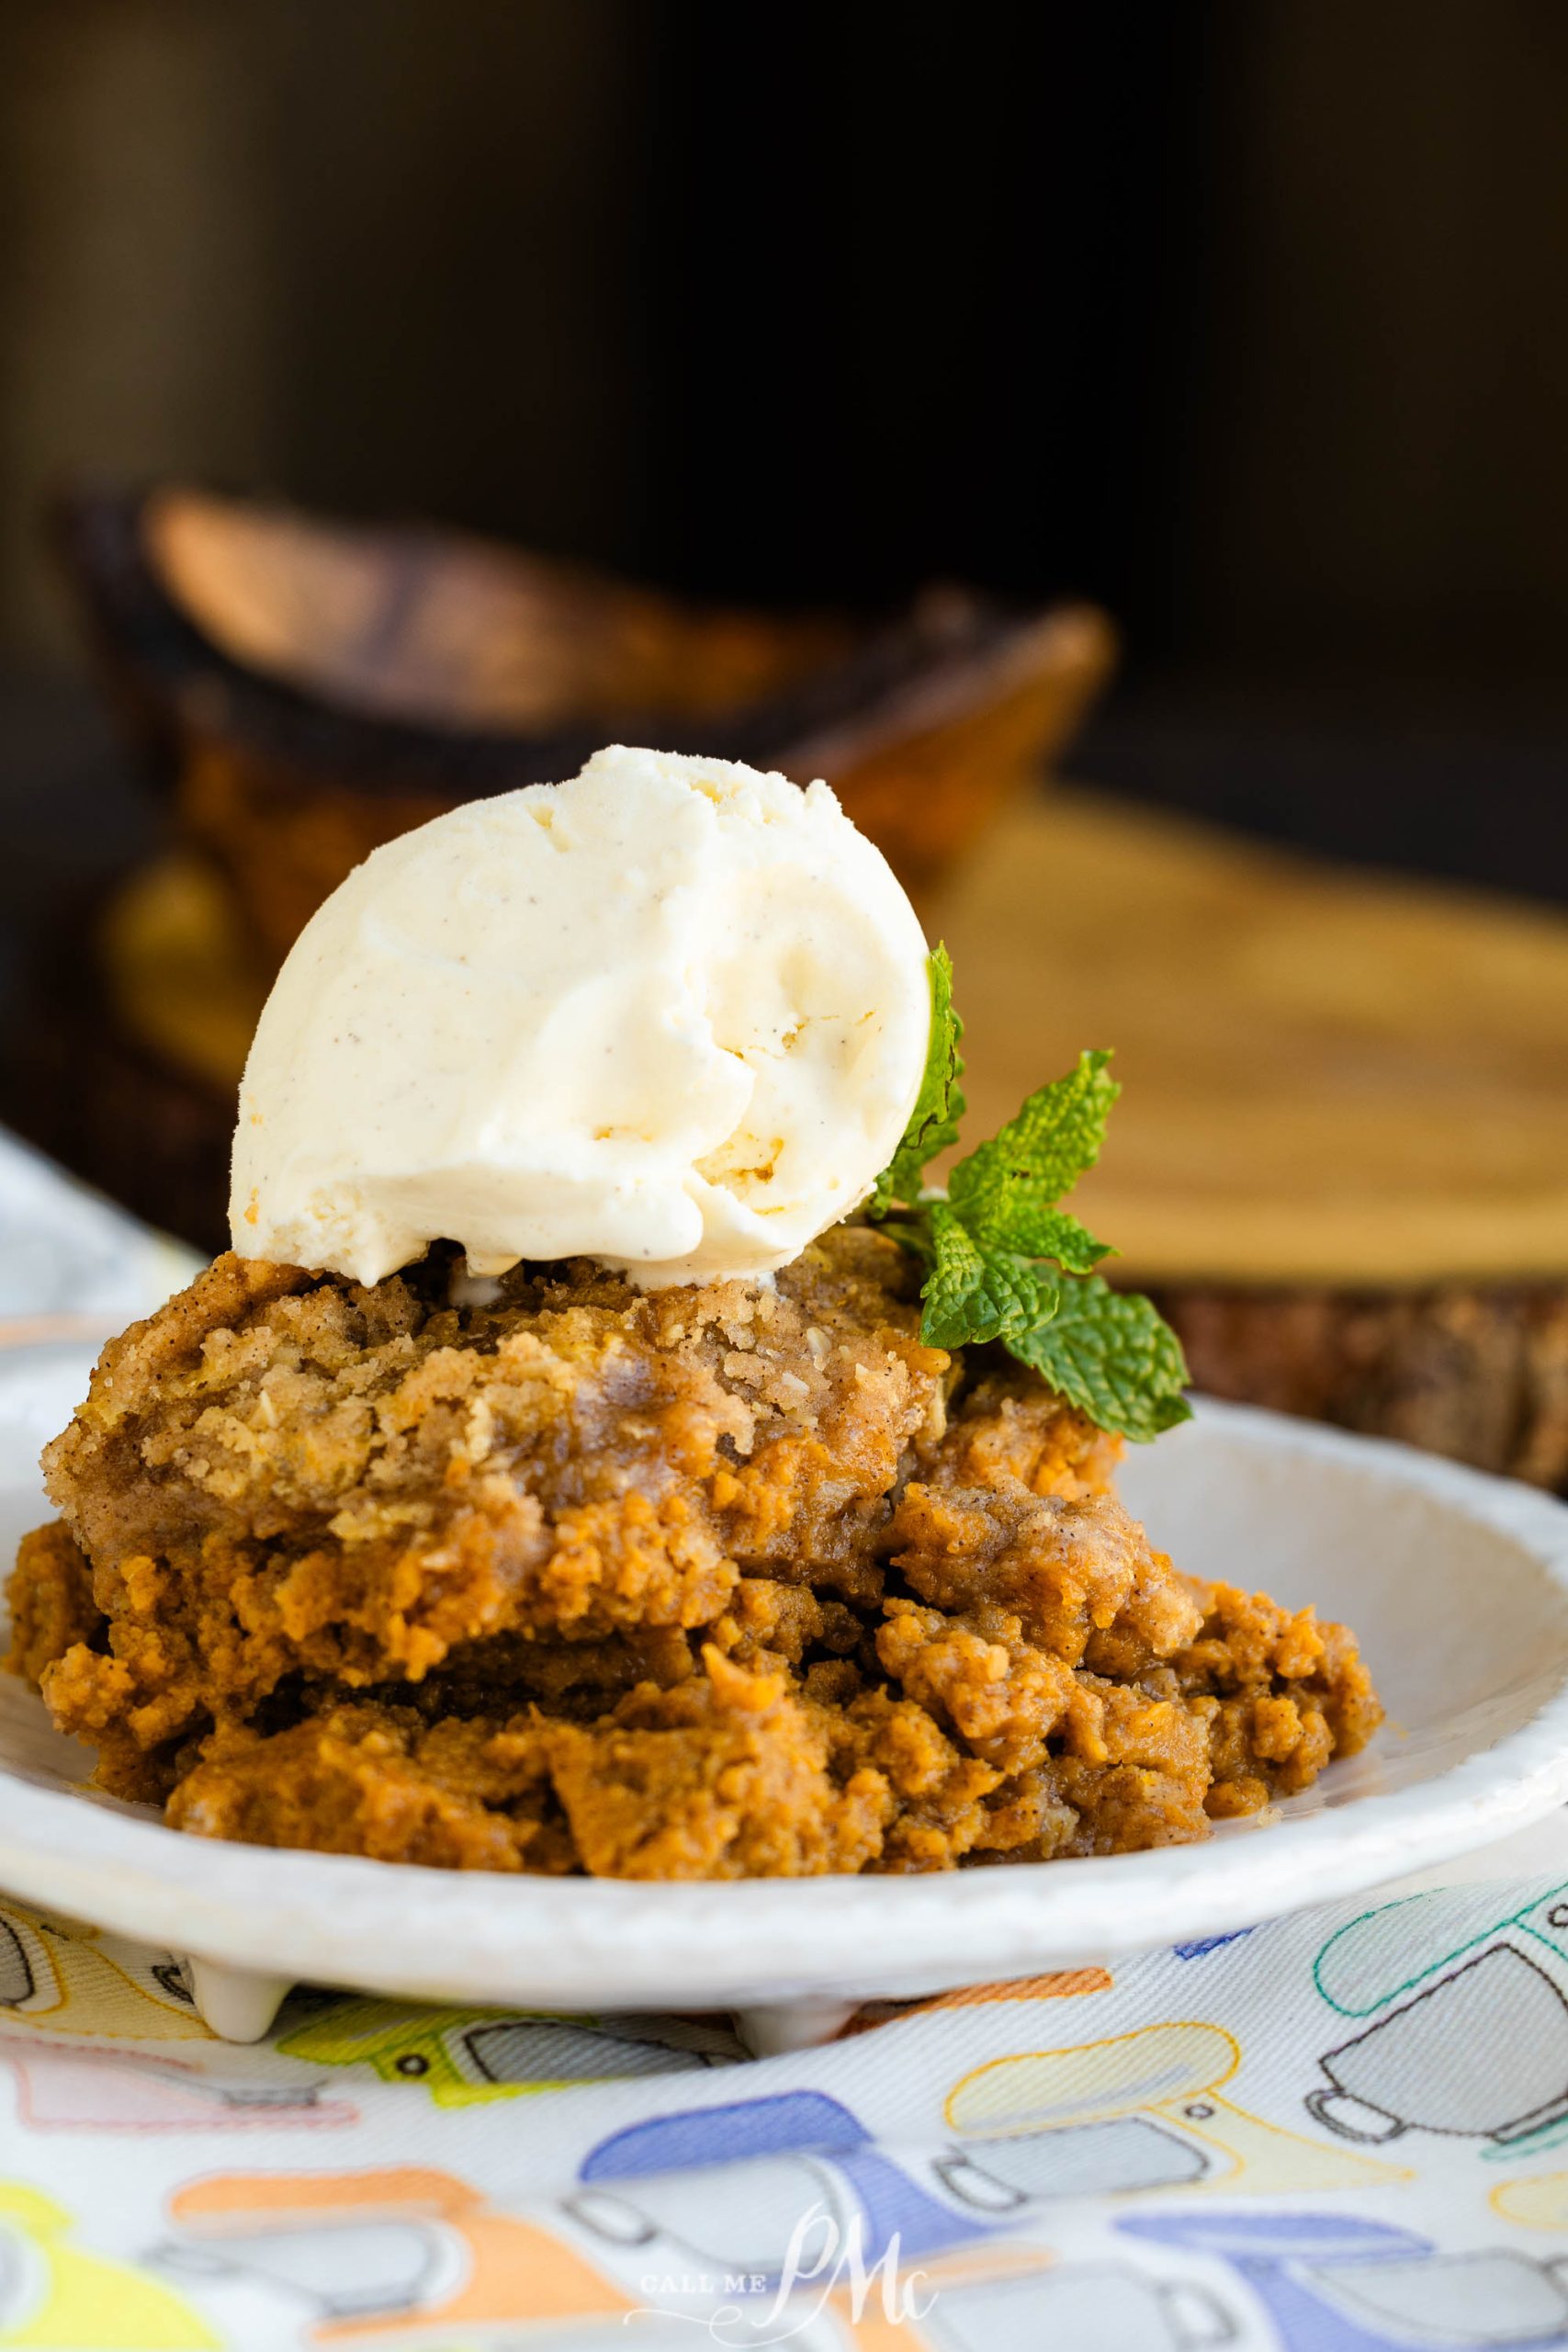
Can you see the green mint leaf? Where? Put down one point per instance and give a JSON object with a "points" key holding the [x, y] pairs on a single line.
{"points": [[1003, 1261], [939, 1106], [973, 1294], [1006, 1190], [1111, 1354], [1047, 1233]]}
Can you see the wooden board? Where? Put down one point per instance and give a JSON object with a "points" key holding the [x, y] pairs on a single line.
{"points": [[1331, 1077]]}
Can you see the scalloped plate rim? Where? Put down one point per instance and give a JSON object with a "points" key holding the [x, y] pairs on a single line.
{"points": [[408, 1931]]}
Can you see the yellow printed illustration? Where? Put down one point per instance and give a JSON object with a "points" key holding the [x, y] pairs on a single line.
{"points": [[464, 2057], [78, 1981], [1139, 2110], [1540, 2203], [53, 2296], [402, 2249]]}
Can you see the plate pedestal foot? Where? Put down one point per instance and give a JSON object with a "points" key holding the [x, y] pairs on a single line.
{"points": [[237, 2003], [779, 2026]]}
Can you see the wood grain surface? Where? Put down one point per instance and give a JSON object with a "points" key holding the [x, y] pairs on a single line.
{"points": [[1330, 1076]]}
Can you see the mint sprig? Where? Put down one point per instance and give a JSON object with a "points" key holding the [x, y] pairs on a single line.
{"points": [[939, 1106], [1008, 1188], [1005, 1261]]}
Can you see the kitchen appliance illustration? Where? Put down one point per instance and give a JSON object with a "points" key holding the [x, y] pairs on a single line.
{"points": [[17, 1979], [52, 2295], [381, 2254], [67, 2086], [1539, 2201], [84, 1982], [730, 2188], [464, 2057], [1333, 2283], [1036, 2306], [1464, 2034], [1139, 2110]]}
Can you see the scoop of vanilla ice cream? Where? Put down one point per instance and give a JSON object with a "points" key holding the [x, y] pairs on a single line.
{"points": [[672, 1015]]}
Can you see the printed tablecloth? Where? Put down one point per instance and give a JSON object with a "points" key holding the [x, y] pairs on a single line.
{"points": [[1342, 2131]]}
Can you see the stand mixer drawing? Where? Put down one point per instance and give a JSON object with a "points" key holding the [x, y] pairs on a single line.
{"points": [[465, 2057], [1137, 2111], [1332, 2282]]}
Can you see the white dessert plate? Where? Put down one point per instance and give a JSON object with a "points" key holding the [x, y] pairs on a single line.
{"points": [[1457, 1584]]}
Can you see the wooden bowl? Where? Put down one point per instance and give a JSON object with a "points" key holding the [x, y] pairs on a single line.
{"points": [[306, 689]]}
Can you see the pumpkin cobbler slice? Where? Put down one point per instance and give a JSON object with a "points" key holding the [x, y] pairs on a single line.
{"points": [[740, 1579]]}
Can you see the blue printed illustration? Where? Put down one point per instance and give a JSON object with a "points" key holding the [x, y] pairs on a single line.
{"points": [[731, 2186], [1332, 2283], [1466, 2033]]}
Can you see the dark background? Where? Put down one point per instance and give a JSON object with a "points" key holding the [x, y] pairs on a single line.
{"points": [[1245, 316]]}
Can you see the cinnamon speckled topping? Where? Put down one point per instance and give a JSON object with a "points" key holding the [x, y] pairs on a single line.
{"points": [[715, 1582]]}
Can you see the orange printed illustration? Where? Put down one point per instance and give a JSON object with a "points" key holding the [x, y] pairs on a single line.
{"points": [[403, 2248], [1060, 1985]]}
